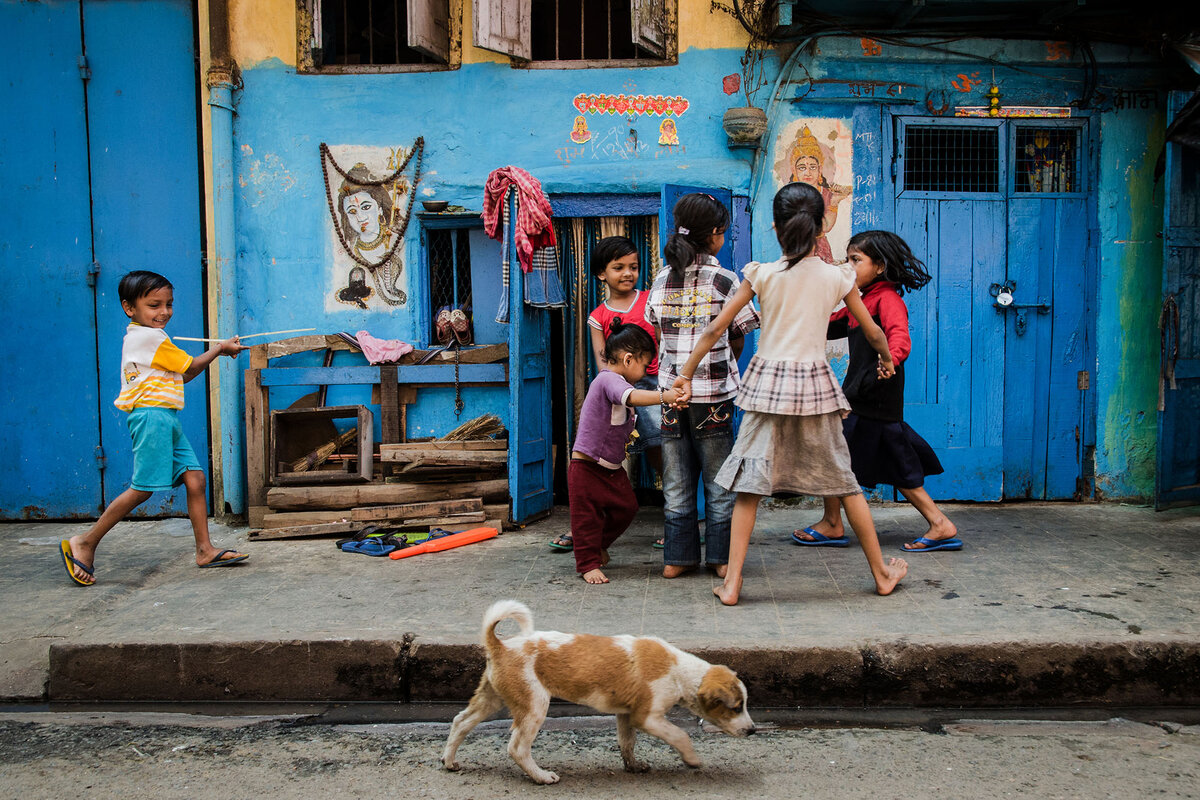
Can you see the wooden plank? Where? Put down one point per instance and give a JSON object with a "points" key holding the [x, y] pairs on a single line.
{"points": [[300, 531], [463, 444], [256, 514], [411, 510], [484, 354], [496, 510], [303, 344], [423, 374], [256, 439], [466, 458], [457, 519], [295, 498], [292, 519]]}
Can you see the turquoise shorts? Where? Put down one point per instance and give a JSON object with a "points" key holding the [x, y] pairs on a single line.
{"points": [[161, 453]]}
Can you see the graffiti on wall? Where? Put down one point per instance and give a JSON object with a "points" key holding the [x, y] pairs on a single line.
{"points": [[370, 193], [820, 152]]}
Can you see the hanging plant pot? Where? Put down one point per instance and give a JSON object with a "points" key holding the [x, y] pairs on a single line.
{"points": [[744, 125]]}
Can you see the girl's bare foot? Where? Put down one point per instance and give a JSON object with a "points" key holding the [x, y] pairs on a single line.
{"points": [[675, 570], [893, 572], [719, 569], [727, 593], [596, 576], [603, 557]]}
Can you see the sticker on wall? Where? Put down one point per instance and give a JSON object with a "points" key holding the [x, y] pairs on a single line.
{"points": [[667, 134], [650, 105], [369, 207], [819, 152], [580, 133]]}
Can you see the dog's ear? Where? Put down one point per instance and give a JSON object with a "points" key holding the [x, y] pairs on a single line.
{"points": [[720, 688]]}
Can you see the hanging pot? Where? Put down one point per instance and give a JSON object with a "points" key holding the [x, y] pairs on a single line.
{"points": [[744, 125]]}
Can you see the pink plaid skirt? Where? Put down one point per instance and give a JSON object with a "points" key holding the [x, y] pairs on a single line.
{"points": [[794, 388]]}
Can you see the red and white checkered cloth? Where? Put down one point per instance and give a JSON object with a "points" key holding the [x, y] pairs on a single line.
{"points": [[534, 228]]}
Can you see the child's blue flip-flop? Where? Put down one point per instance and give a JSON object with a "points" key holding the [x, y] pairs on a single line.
{"points": [[818, 540], [929, 545], [221, 561]]}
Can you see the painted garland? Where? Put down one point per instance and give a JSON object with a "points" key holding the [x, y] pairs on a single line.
{"points": [[385, 273]]}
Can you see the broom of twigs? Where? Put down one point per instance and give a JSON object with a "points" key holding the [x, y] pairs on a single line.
{"points": [[319, 456], [485, 427]]}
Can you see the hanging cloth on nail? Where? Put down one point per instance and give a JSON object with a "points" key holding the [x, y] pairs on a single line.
{"points": [[534, 228], [542, 284]]}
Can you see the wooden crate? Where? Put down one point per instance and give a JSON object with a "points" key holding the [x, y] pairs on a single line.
{"points": [[283, 418]]}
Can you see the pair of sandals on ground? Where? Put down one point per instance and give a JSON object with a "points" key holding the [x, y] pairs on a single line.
{"points": [[814, 539]]}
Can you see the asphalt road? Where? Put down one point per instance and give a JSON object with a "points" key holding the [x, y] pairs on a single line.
{"points": [[48, 755]]}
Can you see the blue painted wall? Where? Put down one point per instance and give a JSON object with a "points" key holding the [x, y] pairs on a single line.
{"points": [[487, 115]]}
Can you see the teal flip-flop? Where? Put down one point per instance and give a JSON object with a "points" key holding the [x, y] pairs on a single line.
{"points": [[564, 542]]}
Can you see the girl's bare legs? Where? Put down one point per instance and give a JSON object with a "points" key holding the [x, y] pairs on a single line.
{"points": [[887, 574], [830, 525], [745, 511], [940, 527]]}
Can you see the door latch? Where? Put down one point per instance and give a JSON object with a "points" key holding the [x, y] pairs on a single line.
{"points": [[1003, 292]]}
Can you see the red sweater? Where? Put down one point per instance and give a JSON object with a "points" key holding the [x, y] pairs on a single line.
{"points": [[869, 396]]}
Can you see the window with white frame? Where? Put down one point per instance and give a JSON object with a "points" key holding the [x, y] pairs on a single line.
{"points": [[567, 32], [376, 35]]}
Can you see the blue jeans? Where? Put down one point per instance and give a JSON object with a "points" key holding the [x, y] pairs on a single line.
{"points": [[649, 419], [696, 441]]}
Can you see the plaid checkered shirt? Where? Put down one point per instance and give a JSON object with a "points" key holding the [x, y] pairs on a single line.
{"points": [[681, 307]]}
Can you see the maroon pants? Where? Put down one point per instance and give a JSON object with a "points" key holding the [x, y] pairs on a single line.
{"points": [[602, 506]]}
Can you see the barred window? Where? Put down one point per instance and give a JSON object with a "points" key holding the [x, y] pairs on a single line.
{"points": [[951, 159], [1047, 160], [449, 258]]}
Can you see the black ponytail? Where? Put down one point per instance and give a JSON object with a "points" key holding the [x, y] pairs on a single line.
{"points": [[627, 337], [891, 252], [799, 212], [695, 218]]}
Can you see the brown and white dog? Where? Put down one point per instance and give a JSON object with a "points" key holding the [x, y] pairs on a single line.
{"points": [[638, 678]]}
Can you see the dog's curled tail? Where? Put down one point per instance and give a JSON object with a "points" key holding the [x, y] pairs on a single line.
{"points": [[501, 610]]}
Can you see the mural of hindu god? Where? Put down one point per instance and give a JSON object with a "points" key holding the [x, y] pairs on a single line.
{"points": [[806, 159], [367, 223]]}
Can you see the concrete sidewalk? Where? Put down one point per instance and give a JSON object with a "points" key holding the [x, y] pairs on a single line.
{"points": [[1048, 604]]}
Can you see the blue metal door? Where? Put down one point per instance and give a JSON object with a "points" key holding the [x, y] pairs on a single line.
{"points": [[530, 466], [1178, 474], [101, 136], [49, 428]]}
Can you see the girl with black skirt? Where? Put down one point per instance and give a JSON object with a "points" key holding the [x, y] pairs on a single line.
{"points": [[883, 448]]}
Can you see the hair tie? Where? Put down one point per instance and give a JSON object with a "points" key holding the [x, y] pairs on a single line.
{"points": [[683, 231]]}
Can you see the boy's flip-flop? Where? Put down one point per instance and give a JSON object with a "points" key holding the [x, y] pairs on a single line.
{"points": [[818, 540], [69, 561], [225, 562], [563, 542], [929, 545]]}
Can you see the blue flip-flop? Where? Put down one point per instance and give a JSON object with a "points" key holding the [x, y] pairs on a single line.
{"points": [[929, 545], [371, 546], [819, 540], [69, 559], [225, 562]]}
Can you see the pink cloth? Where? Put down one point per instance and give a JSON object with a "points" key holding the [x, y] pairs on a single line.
{"points": [[534, 228], [381, 351]]}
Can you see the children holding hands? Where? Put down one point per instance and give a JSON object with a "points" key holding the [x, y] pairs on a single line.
{"points": [[153, 371], [602, 500], [791, 440]]}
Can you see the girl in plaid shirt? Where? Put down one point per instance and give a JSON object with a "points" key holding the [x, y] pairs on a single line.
{"points": [[790, 441], [697, 440]]}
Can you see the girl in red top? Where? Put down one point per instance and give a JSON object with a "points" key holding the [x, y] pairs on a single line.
{"points": [[883, 448]]}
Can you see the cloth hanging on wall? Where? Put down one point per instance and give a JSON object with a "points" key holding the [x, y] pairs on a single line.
{"points": [[534, 228], [542, 284]]}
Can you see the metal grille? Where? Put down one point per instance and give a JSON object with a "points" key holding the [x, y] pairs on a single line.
{"points": [[1047, 160], [951, 159], [449, 253], [366, 32], [582, 30]]}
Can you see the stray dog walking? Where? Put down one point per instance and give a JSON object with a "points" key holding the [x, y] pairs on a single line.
{"points": [[638, 678]]}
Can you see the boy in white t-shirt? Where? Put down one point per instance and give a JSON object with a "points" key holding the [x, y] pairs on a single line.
{"points": [[153, 371]]}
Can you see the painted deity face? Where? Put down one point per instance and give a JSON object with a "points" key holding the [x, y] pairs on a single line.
{"points": [[153, 310], [807, 170], [364, 215], [621, 274], [865, 270]]}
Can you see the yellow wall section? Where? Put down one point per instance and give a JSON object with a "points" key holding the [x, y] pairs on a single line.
{"points": [[266, 29]]}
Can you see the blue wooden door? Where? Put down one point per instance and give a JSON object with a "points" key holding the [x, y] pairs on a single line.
{"points": [[1178, 474], [101, 128], [530, 466], [666, 218], [49, 428]]}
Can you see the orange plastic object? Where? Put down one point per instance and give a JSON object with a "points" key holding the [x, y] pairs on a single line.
{"points": [[446, 542]]}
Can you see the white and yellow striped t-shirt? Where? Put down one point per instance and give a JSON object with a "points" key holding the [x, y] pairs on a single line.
{"points": [[152, 370]]}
